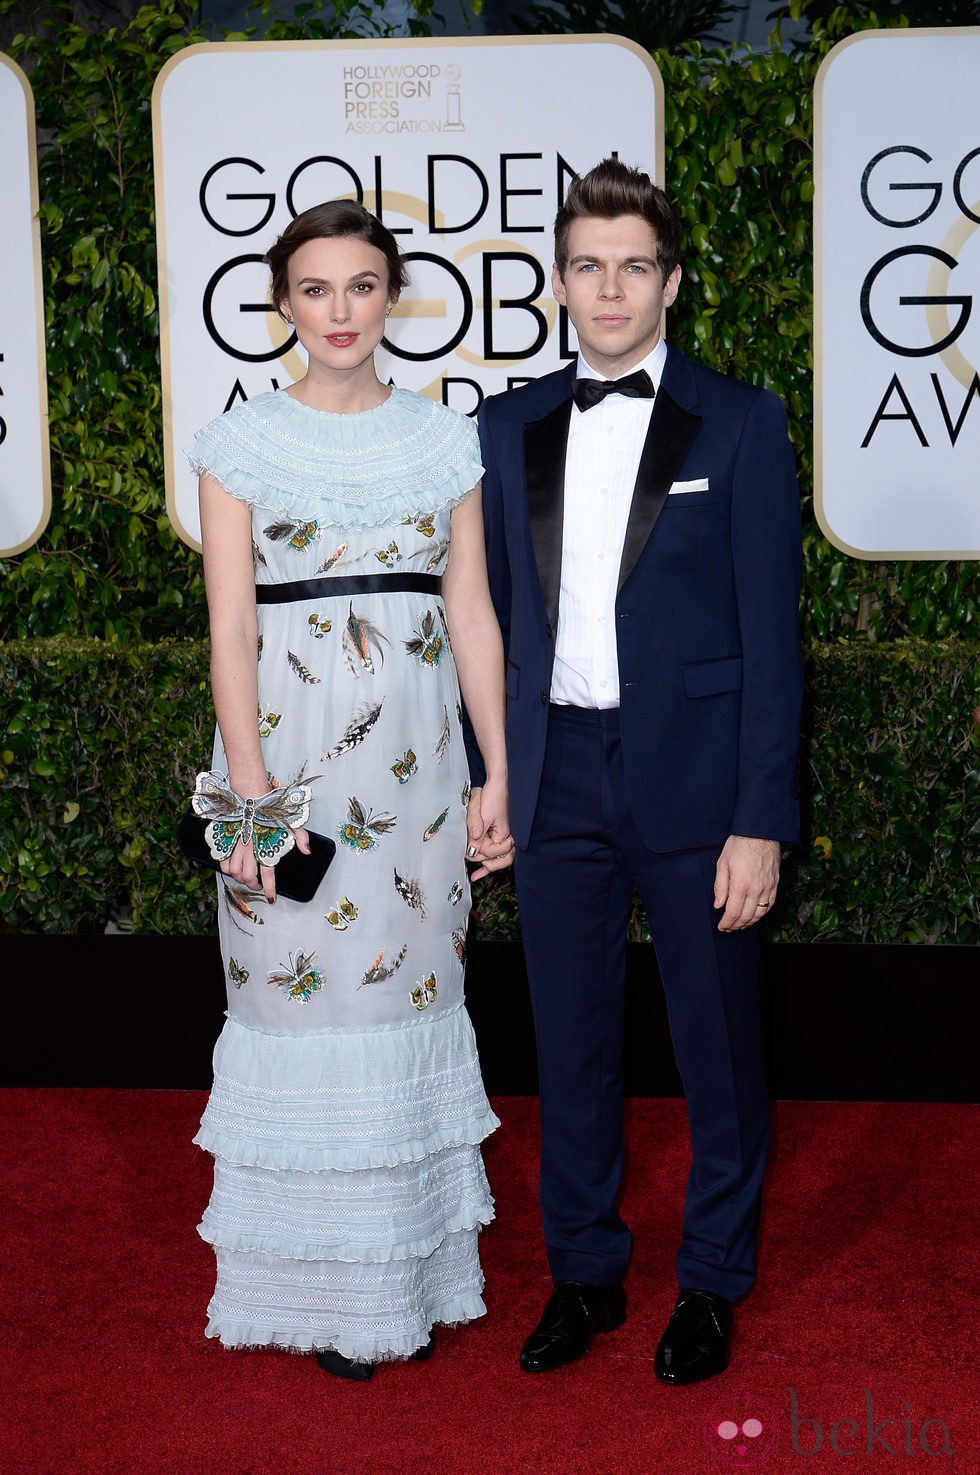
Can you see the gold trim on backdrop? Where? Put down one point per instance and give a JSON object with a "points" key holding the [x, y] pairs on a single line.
{"points": [[937, 313]]}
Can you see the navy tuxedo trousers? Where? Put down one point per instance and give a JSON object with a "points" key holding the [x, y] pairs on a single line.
{"points": [[574, 884]]}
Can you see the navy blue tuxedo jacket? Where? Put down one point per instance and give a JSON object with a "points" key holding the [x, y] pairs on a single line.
{"points": [[707, 610]]}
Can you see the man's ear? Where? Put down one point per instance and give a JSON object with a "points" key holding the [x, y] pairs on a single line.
{"points": [[672, 286], [557, 285]]}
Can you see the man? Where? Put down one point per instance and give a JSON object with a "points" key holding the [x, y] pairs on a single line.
{"points": [[644, 553]]}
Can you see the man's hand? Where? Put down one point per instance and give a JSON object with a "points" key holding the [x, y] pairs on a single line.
{"points": [[746, 878]]}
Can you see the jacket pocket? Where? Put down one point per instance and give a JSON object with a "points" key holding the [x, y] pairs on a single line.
{"points": [[685, 488], [711, 678]]}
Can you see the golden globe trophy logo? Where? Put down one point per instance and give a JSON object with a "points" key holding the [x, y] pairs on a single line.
{"points": [[25, 473], [897, 259], [246, 136]]}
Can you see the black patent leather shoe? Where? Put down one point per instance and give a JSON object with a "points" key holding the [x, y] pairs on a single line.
{"points": [[696, 1342], [575, 1310], [423, 1353], [345, 1367], [362, 1372]]}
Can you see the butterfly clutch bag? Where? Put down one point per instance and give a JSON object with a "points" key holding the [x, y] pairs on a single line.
{"points": [[218, 817]]}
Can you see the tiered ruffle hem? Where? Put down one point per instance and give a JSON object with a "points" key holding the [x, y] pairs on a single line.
{"points": [[349, 1187]]}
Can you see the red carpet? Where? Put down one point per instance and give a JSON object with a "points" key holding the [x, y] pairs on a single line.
{"points": [[858, 1350]]}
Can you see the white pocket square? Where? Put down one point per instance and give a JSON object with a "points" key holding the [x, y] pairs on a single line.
{"points": [[676, 487]]}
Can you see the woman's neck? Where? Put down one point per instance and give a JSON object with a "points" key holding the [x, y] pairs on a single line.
{"points": [[341, 394]]}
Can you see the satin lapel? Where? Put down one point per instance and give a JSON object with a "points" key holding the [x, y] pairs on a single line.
{"points": [[672, 429], [544, 457]]}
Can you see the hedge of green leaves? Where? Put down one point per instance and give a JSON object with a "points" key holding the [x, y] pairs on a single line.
{"points": [[738, 159], [117, 728], [102, 744]]}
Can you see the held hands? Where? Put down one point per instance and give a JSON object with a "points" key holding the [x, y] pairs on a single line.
{"points": [[746, 878], [490, 844], [242, 867]]}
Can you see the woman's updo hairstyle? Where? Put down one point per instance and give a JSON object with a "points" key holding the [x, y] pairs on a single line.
{"points": [[331, 219]]}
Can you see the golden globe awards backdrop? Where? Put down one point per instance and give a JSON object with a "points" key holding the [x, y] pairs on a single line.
{"points": [[897, 268], [463, 148], [25, 470]]}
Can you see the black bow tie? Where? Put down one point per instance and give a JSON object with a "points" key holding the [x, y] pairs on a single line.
{"points": [[588, 392]]}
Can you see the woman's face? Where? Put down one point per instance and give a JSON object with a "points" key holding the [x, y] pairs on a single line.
{"points": [[338, 299]]}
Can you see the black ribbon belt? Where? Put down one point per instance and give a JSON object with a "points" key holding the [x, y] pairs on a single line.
{"points": [[310, 589]]}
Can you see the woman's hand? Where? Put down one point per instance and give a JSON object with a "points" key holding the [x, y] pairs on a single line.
{"points": [[242, 867], [490, 843]]}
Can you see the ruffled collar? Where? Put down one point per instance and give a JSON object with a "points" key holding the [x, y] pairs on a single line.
{"points": [[407, 455]]}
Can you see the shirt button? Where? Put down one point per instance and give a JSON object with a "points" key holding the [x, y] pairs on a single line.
{"points": [[600, 555]]}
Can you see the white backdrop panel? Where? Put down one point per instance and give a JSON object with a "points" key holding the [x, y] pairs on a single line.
{"points": [[463, 147], [897, 265], [25, 471]]}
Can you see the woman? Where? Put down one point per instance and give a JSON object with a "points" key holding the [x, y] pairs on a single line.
{"points": [[343, 549]]}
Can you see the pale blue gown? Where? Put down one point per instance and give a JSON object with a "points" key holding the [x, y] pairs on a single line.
{"points": [[348, 1107]]}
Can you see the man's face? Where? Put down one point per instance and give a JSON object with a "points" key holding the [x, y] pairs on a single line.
{"points": [[614, 290]]}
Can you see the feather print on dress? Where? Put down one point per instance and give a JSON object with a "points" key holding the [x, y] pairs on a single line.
{"points": [[442, 742], [433, 556], [356, 731], [436, 824], [411, 894], [303, 672], [379, 971], [357, 640], [235, 902], [335, 557]]}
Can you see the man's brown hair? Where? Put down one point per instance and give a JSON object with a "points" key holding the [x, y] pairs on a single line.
{"points": [[611, 189]]}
